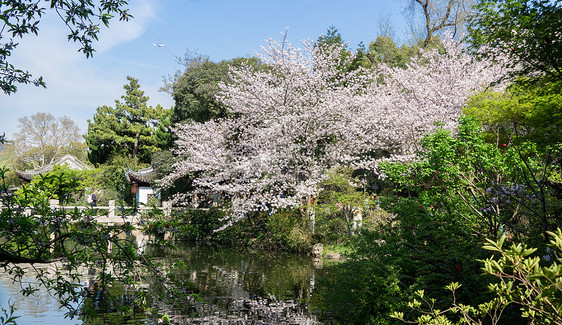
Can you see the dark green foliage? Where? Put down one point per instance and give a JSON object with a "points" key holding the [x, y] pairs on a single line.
{"points": [[414, 250], [283, 230], [340, 200], [162, 162], [459, 191], [111, 177], [489, 187], [524, 279], [202, 227], [429, 249], [195, 90], [287, 230], [131, 129], [199, 226], [525, 121], [334, 38], [526, 31], [358, 292]]}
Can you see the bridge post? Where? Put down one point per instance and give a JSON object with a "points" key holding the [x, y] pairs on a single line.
{"points": [[167, 206], [53, 204], [111, 213]]}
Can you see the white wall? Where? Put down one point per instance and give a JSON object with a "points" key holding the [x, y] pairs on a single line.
{"points": [[143, 193]]}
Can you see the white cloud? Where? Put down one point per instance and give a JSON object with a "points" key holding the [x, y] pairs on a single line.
{"points": [[76, 85], [119, 32]]}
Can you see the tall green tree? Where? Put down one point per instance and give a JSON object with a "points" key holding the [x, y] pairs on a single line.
{"points": [[527, 111], [334, 37], [195, 89], [131, 128], [527, 31], [384, 50]]}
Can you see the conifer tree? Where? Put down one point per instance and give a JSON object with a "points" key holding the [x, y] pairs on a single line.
{"points": [[131, 128]]}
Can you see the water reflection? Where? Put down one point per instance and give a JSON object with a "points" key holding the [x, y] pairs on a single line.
{"points": [[248, 287], [37, 309], [235, 288]]}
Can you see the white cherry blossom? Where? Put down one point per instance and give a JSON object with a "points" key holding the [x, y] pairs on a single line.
{"points": [[304, 116]]}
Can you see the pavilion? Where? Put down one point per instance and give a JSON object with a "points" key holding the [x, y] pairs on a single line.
{"points": [[141, 181]]}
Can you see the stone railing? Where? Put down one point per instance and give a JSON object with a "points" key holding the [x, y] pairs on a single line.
{"points": [[116, 211], [114, 214]]}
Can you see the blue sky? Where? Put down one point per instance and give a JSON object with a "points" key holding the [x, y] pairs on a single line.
{"points": [[221, 29]]}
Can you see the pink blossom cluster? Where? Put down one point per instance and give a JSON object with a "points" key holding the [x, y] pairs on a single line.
{"points": [[305, 115]]}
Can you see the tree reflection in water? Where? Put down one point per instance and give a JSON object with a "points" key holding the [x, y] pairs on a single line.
{"points": [[245, 287], [215, 287]]}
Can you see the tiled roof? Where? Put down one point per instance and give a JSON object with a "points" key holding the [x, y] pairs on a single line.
{"points": [[68, 160], [142, 176]]}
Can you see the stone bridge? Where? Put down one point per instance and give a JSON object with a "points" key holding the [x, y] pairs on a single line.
{"points": [[111, 214]]}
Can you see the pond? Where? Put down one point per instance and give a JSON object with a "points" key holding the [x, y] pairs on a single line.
{"points": [[235, 288]]}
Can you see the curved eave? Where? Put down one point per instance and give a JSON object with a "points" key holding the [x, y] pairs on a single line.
{"points": [[142, 177], [27, 175]]}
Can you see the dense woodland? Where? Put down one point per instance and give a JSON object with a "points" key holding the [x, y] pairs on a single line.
{"points": [[448, 148]]}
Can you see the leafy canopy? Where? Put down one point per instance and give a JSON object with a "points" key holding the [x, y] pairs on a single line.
{"points": [[195, 89], [526, 31]]}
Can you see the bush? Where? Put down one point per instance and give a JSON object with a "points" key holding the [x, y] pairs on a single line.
{"points": [[337, 228], [299, 240], [523, 278], [286, 230], [200, 226]]}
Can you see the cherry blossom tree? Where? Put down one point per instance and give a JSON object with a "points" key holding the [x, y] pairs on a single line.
{"points": [[409, 102], [305, 115]]}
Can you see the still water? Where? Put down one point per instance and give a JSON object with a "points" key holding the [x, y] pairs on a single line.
{"points": [[235, 288]]}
